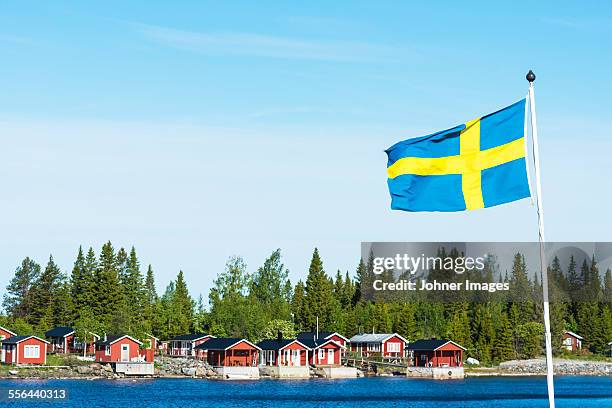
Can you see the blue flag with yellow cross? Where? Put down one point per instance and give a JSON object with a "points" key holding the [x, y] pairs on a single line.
{"points": [[474, 165]]}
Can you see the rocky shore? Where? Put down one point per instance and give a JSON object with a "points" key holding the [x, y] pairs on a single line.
{"points": [[538, 367]]}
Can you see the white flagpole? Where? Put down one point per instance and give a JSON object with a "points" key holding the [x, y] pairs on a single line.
{"points": [[536, 158]]}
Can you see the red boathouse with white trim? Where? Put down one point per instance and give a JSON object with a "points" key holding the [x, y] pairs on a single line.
{"points": [[386, 345], [24, 350], [122, 348]]}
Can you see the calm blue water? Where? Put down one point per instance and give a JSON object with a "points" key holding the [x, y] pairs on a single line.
{"points": [[375, 392]]}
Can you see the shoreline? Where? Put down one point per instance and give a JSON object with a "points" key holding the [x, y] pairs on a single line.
{"points": [[514, 368]]}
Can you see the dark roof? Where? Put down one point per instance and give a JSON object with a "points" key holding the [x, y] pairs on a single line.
{"points": [[276, 344], [111, 339], [19, 339], [430, 345], [313, 344], [59, 331], [220, 343], [190, 337], [313, 334]]}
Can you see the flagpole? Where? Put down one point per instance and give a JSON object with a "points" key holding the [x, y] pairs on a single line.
{"points": [[544, 267]]}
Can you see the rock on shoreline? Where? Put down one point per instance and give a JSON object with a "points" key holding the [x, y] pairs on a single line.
{"points": [[538, 367]]}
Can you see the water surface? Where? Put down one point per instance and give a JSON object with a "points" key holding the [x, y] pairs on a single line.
{"points": [[375, 392]]}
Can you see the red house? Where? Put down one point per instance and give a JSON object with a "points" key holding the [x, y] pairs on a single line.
{"points": [[572, 341], [185, 345], [60, 339], [284, 352], [5, 333], [230, 352], [386, 345], [324, 352], [121, 348], [436, 353], [63, 339], [24, 350]]}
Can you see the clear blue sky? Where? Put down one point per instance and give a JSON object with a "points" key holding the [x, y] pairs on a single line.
{"points": [[199, 130]]}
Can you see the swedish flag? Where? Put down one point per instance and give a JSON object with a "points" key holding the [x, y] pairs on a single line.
{"points": [[475, 165]]}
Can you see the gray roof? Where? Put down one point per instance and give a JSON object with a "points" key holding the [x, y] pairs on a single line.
{"points": [[373, 337]]}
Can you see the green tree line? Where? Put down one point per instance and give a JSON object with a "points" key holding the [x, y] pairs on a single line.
{"points": [[109, 293]]}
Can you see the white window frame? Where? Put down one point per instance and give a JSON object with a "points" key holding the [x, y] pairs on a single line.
{"points": [[31, 351], [107, 350], [321, 354], [375, 347], [394, 347]]}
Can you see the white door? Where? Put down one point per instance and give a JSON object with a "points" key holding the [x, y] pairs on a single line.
{"points": [[125, 352], [295, 357], [330, 356]]}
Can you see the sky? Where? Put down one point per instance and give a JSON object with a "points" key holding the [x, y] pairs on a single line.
{"points": [[195, 131]]}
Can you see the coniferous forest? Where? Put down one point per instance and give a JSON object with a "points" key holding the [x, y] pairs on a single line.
{"points": [[111, 292]]}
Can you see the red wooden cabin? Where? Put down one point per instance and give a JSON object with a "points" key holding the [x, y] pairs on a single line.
{"points": [[324, 352], [24, 350], [284, 352], [436, 353], [572, 341], [5, 333], [386, 345], [230, 352], [121, 348], [62, 339]]}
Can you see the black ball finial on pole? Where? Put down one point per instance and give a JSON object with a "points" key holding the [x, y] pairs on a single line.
{"points": [[530, 76]]}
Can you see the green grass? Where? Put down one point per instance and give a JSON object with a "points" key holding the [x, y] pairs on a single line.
{"points": [[585, 357], [64, 360]]}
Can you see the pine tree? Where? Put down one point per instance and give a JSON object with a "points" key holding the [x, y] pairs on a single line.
{"points": [[361, 279], [458, 328], [78, 289], [44, 295], [182, 304], [502, 349], [319, 295], [18, 300], [151, 301], [62, 307], [406, 324], [483, 332], [134, 294], [297, 306], [89, 280], [573, 279], [108, 299], [607, 294], [520, 289]]}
